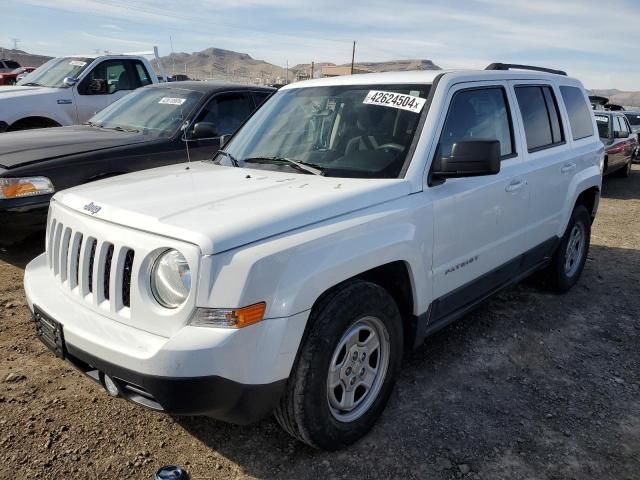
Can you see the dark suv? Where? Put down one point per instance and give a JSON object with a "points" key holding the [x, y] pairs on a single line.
{"points": [[621, 145]]}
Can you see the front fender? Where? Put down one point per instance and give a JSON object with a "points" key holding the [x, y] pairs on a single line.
{"points": [[291, 271]]}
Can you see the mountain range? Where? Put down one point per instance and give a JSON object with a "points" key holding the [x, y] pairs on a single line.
{"points": [[217, 63]]}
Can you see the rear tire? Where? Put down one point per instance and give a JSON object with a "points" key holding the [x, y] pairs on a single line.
{"points": [[568, 261], [346, 369], [625, 172]]}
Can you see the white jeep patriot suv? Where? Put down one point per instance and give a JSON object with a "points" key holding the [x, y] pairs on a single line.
{"points": [[344, 222]]}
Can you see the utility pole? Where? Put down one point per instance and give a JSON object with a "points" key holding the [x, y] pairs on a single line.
{"points": [[353, 56], [173, 65], [312, 65], [15, 43], [287, 81]]}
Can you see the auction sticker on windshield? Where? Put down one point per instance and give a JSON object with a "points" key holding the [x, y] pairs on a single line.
{"points": [[602, 118], [172, 101], [395, 100], [77, 63]]}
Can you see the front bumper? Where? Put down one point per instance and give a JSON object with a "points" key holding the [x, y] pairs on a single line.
{"points": [[233, 375], [20, 218]]}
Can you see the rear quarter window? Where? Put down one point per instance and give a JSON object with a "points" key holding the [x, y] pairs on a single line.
{"points": [[579, 113]]}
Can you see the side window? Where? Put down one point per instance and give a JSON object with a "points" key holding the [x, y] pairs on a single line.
{"points": [[260, 97], [226, 112], [478, 114], [604, 128], [623, 124], [142, 74], [540, 116], [617, 125], [579, 114], [13, 65], [109, 77]]}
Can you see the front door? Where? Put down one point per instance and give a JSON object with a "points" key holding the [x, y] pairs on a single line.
{"points": [[477, 220], [107, 82], [223, 115]]}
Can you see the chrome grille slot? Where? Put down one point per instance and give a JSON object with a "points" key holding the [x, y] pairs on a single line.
{"points": [[92, 256], [50, 236], [107, 271], [126, 278], [74, 260], [56, 248], [64, 254]]}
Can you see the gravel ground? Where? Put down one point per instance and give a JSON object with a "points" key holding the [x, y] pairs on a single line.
{"points": [[530, 385]]}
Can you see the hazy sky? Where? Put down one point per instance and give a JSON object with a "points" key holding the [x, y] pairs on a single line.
{"points": [[596, 41]]}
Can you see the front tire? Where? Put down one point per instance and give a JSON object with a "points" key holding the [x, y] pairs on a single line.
{"points": [[571, 255], [346, 369]]}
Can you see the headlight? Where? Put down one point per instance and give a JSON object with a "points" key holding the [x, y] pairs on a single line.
{"points": [[171, 279], [25, 187]]}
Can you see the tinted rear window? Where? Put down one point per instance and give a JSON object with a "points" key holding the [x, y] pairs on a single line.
{"points": [[12, 64], [579, 114], [634, 118]]}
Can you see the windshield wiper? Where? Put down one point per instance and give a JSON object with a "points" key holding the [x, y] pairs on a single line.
{"points": [[121, 129], [230, 157], [31, 84], [92, 124], [303, 166]]}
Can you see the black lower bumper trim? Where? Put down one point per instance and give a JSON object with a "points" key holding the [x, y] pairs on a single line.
{"points": [[212, 396]]}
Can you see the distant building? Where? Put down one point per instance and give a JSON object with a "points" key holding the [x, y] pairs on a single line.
{"points": [[337, 70]]}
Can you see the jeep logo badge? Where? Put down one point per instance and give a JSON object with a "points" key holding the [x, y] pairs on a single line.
{"points": [[92, 208]]}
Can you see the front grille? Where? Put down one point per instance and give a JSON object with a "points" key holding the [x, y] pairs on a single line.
{"points": [[88, 266], [126, 278]]}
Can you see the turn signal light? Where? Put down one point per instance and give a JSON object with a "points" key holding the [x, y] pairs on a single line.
{"points": [[25, 187], [229, 318]]}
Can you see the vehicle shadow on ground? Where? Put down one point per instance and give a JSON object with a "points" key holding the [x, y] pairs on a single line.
{"points": [[21, 253], [622, 188], [531, 381]]}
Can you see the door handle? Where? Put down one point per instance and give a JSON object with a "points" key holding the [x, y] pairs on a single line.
{"points": [[515, 186], [567, 167]]}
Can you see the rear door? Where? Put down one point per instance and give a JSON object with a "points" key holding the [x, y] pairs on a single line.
{"points": [[478, 221], [548, 158]]}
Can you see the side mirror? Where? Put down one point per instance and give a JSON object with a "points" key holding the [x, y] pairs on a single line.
{"points": [[69, 81], [223, 139], [472, 158], [204, 130], [620, 134]]}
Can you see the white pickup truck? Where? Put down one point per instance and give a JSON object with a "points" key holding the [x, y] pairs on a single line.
{"points": [[69, 90], [347, 220]]}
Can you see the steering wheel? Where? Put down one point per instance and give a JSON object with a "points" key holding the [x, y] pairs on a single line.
{"points": [[391, 146]]}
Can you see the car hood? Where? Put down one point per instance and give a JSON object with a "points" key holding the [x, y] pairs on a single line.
{"points": [[14, 92], [221, 208], [30, 146]]}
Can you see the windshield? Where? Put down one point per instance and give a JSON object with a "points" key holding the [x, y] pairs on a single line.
{"points": [[52, 73], [155, 110], [359, 131], [603, 126]]}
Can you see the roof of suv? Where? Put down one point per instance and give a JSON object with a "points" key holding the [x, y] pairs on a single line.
{"points": [[209, 86], [427, 77]]}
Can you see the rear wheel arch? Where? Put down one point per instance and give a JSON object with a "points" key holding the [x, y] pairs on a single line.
{"points": [[589, 198]]}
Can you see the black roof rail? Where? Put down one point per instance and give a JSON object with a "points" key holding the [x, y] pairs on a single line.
{"points": [[509, 66]]}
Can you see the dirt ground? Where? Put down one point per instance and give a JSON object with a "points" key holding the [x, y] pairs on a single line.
{"points": [[530, 386]]}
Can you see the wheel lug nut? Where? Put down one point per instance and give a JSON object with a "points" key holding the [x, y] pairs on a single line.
{"points": [[364, 355], [348, 372], [353, 380], [362, 372], [354, 356]]}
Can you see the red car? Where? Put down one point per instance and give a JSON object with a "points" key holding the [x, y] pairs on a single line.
{"points": [[10, 78]]}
